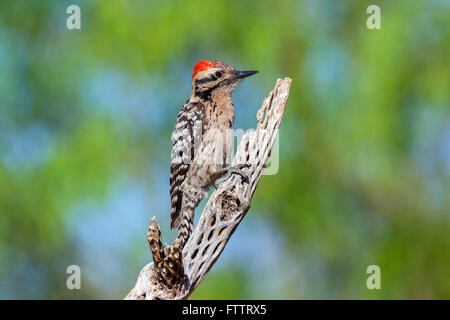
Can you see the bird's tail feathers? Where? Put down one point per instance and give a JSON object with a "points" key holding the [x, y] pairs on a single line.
{"points": [[186, 224]]}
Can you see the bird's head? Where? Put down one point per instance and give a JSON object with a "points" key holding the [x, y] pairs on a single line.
{"points": [[211, 75]]}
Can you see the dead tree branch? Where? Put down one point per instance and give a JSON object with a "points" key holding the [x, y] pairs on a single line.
{"points": [[174, 274]]}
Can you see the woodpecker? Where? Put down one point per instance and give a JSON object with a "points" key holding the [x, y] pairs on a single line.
{"points": [[201, 145]]}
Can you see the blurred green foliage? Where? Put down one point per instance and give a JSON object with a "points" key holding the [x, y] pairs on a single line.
{"points": [[364, 178]]}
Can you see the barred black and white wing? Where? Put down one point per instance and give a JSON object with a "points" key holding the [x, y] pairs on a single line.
{"points": [[186, 136]]}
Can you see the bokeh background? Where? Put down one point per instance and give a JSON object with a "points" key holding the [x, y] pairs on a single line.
{"points": [[364, 178]]}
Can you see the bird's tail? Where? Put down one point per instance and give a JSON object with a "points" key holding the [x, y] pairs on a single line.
{"points": [[186, 223], [175, 217]]}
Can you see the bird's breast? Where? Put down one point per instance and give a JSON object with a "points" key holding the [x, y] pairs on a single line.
{"points": [[221, 115]]}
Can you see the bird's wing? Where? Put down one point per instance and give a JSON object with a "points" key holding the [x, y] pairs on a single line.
{"points": [[186, 136]]}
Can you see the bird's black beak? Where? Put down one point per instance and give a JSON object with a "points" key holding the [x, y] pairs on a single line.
{"points": [[243, 74]]}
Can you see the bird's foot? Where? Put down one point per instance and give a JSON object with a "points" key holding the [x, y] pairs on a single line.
{"points": [[230, 170]]}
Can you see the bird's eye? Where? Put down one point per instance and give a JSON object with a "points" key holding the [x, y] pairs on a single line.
{"points": [[219, 74]]}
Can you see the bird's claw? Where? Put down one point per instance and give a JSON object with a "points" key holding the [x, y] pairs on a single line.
{"points": [[236, 169]]}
